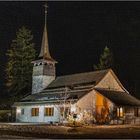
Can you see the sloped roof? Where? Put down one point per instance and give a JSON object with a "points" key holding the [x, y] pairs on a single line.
{"points": [[44, 52], [76, 79], [58, 94], [77, 86], [119, 98], [55, 96]]}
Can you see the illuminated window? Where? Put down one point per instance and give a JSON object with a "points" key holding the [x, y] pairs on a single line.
{"points": [[120, 112], [35, 112], [136, 112], [22, 111], [49, 111]]}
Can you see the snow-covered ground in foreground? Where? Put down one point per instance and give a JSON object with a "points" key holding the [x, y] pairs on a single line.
{"points": [[31, 131]]}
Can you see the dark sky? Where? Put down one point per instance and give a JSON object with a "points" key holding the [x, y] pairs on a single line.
{"points": [[78, 32]]}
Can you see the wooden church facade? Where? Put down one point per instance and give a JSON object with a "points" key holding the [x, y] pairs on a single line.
{"points": [[91, 97]]}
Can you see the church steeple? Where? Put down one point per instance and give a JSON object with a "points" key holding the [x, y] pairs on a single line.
{"points": [[44, 52], [44, 66]]}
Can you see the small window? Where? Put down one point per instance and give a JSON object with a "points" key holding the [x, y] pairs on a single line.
{"points": [[120, 112], [35, 112], [49, 111], [22, 111], [136, 112]]}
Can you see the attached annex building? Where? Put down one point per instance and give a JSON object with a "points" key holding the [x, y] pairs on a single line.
{"points": [[91, 97]]}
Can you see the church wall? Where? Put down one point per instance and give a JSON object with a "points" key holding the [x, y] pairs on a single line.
{"points": [[41, 82], [27, 117], [92, 106], [109, 82], [104, 108], [38, 69], [85, 107], [131, 116]]}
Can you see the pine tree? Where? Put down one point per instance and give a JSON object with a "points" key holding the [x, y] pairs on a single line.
{"points": [[19, 67], [106, 60]]}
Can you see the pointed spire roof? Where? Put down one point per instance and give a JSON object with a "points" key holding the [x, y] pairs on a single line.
{"points": [[44, 52]]}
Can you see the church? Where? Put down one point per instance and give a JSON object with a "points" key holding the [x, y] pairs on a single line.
{"points": [[90, 97]]}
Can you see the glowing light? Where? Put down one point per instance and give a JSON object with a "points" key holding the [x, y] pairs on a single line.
{"points": [[79, 116], [73, 108], [18, 110], [120, 112]]}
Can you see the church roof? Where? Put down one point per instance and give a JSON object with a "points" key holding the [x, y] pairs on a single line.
{"points": [[119, 98], [59, 94], [78, 79], [44, 52], [75, 86]]}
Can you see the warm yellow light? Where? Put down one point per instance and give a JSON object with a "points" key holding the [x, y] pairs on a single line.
{"points": [[120, 112], [99, 100]]}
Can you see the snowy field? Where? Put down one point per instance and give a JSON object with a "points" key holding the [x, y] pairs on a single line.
{"points": [[32, 131]]}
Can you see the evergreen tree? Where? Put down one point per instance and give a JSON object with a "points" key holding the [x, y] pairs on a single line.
{"points": [[19, 67], [106, 60]]}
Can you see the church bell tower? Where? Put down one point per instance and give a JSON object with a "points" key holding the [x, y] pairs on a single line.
{"points": [[44, 66]]}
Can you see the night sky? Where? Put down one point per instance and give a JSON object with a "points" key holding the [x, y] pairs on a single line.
{"points": [[78, 32]]}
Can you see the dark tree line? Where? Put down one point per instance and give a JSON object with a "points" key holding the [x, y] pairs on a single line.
{"points": [[19, 67]]}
